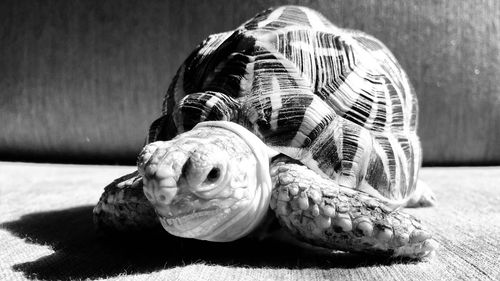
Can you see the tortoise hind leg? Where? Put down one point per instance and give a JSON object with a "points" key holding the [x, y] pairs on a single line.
{"points": [[316, 210], [123, 206], [422, 197]]}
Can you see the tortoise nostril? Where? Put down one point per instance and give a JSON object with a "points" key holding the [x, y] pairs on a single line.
{"points": [[213, 175], [165, 195]]}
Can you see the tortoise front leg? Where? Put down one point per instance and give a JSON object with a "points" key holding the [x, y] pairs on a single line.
{"points": [[318, 211], [124, 207]]}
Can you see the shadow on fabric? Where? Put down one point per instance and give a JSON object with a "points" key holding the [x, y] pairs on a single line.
{"points": [[81, 252]]}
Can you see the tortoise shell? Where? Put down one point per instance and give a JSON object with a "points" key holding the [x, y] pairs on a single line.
{"points": [[335, 99]]}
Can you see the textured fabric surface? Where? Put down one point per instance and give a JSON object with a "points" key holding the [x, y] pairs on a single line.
{"points": [[81, 80], [47, 233]]}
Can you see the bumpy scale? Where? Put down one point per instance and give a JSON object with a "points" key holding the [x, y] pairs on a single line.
{"points": [[324, 214]]}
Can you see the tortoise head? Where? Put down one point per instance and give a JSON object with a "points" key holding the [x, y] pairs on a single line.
{"points": [[210, 183]]}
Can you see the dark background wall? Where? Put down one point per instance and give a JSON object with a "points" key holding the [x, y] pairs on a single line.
{"points": [[81, 80]]}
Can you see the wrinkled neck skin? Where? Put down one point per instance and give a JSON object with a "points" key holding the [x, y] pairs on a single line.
{"points": [[249, 218]]}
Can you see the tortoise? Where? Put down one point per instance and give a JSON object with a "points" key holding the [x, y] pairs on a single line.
{"points": [[287, 118]]}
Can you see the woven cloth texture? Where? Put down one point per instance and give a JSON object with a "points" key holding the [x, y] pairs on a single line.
{"points": [[46, 233], [80, 80]]}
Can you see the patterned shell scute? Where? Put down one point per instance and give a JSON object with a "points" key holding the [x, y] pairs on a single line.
{"points": [[296, 80]]}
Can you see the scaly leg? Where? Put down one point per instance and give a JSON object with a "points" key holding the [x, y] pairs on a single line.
{"points": [[124, 207], [316, 210]]}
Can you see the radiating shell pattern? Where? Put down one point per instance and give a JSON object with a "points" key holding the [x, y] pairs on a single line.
{"points": [[338, 96]]}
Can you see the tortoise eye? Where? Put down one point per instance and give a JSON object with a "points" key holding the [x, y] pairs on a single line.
{"points": [[213, 175]]}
